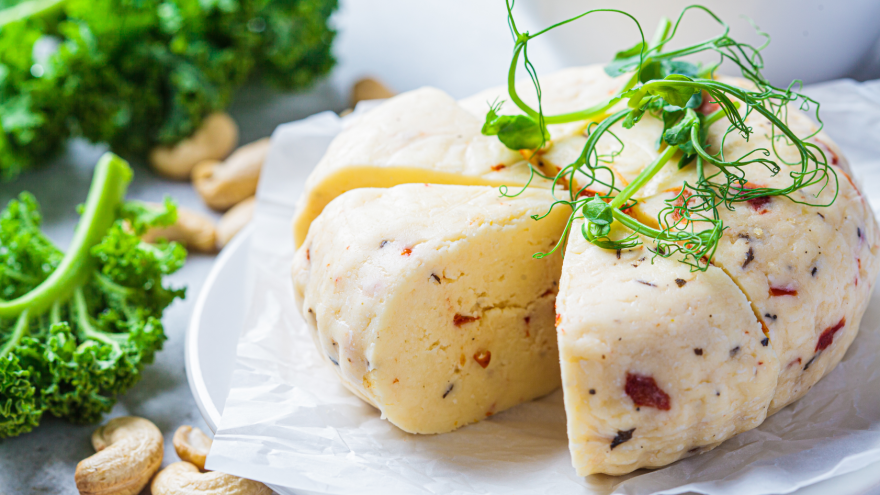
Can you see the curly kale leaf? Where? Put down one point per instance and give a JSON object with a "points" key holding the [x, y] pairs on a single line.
{"points": [[77, 329], [138, 74], [20, 410]]}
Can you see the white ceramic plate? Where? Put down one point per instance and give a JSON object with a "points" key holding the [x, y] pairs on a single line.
{"points": [[217, 321]]}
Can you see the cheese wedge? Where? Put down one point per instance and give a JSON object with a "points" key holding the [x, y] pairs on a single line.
{"points": [[428, 303], [808, 271], [658, 362]]}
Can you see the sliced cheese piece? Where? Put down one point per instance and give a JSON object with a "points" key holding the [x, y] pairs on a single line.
{"points": [[658, 362], [420, 136], [426, 136], [427, 302]]}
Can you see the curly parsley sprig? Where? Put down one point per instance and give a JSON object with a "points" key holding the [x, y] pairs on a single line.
{"points": [[670, 89]]}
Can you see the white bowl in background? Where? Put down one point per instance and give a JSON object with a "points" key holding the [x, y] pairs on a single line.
{"points": [[812, 40]]}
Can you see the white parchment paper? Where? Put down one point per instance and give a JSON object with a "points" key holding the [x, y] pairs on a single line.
{"points": [[289, 422]]}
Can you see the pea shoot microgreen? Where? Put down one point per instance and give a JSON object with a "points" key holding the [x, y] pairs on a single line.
{"points": [[672, 89]]}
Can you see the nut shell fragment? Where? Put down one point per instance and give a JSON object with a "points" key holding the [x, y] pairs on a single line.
{"points": [[234, 220], [129, 452], [217, 136], [222, 185], [184, 478], [194, 230], [192, 445]]}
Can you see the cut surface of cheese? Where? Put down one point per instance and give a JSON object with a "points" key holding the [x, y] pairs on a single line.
{"points": [[427, 302], [426, 136], [658, 362], [419, 136]]}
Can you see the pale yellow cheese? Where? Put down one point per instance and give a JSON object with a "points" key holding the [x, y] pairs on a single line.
{"points": [[419, 136], [805, 269], [565, 91], [427, 302], [624, 319], [390, 279], [426, 136]]}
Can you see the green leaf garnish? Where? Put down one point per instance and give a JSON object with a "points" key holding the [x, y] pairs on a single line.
{"points": [[626, 60], [671, 89], [517, 132]]}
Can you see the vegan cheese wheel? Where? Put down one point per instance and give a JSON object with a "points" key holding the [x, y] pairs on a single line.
{"points": [[658, 362], [428, 303]]}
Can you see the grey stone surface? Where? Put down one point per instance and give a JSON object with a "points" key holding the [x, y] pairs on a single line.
{"points": [[44, 461]]}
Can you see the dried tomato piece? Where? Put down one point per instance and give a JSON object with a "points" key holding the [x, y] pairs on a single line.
{"points": [[644, 391], [827, 336], [782, 291], [683, 201], [460, 319], [708, 105], [483, 358], [830, 155], [758, 204]]}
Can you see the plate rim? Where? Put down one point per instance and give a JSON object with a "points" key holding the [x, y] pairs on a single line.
{"points": [[194, 376]]}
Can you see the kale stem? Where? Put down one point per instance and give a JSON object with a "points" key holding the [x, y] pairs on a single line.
{"points": [[28, 9], [55, 313], [18, 331], [18, 276], [85, 326], [112, 175], [112, 286], [647, 174]]}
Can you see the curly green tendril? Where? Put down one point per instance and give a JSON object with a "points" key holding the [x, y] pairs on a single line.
{"points": [[671, 89]]}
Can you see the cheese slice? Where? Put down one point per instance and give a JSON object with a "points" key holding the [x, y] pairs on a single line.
{"points": [[658, 362], [420, 136], [426, 136], [428, 303]]}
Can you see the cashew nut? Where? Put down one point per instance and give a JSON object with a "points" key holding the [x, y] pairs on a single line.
{"points": [[184, 478], [194, 230], [129, 452], [234, 220], [369, 89], [217, 136], [192, 445], [223, 185]]}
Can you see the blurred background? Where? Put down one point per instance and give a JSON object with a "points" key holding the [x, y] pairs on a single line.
{"points": [[462, 46]]}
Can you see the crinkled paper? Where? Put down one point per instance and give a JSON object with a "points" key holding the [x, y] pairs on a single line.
{"points": [[289, 422]]}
